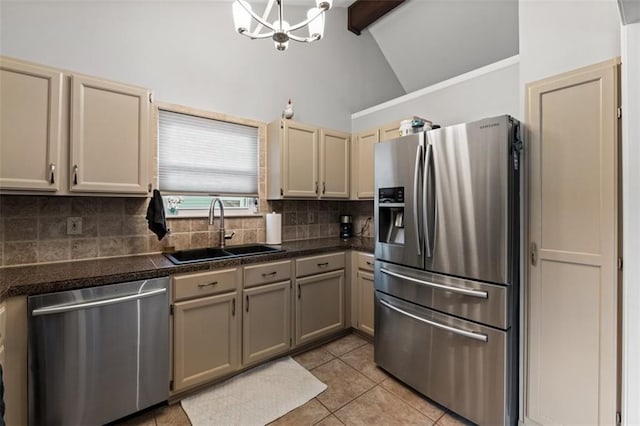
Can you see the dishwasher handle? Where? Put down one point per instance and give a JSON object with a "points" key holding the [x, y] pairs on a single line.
{"points": [[97, 303]]}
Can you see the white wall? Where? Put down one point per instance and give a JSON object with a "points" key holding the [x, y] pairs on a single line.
{"points": [[189, 53], [429, 41], [630, 225], [489, 91], [562, 35]]}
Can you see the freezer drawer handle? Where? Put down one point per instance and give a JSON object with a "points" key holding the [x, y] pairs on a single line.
{"points": [[469, 334], [465, 291], [68, 308]]}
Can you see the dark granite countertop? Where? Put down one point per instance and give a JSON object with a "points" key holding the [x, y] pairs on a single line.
{"points": [[46, 278]]}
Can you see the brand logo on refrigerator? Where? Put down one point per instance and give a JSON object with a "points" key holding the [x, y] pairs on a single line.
{"points": [[486, 126]]}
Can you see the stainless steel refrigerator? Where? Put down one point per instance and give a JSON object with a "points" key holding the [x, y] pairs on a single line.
{"points": [[447, 265]]}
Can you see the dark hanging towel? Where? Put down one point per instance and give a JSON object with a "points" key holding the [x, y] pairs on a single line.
{"points": [[155, 215]]}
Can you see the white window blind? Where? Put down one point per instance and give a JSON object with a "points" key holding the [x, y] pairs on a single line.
{"points": [[203, 155]]}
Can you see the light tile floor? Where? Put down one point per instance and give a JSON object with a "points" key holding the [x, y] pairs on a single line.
{"points": [[358, 393]]}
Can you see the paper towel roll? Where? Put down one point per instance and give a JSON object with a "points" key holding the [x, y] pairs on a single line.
{"points": [[274, 228]]}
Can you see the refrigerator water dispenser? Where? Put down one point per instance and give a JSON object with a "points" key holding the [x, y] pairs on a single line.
{"points": [[391, 215]]}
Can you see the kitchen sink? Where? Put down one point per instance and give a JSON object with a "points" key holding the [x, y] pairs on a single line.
{"points": [[197, 255], [214, 253], [252, 249]]}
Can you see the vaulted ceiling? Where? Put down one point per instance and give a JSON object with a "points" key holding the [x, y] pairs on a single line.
{"points": [[428, 41]]}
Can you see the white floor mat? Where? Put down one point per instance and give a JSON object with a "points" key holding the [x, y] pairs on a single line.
{"points": [[256, 397]]}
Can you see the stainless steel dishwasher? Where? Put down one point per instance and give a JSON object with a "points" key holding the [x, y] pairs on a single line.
{"points": [[98, 354]]}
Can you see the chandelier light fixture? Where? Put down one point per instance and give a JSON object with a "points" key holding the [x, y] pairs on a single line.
{"points": [[280, 31]]}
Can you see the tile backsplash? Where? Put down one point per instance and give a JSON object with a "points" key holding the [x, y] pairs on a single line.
{"points": [[33, 229]]}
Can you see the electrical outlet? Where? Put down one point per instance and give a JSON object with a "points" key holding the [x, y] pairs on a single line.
{"points": [[74, 225]]}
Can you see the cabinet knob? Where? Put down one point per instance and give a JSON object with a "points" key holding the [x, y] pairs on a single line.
{"points": [[75, 174], [52, 169], [316, 187], [324, 187]]}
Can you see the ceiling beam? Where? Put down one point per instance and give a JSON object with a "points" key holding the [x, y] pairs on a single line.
{"points": [[363, 13]]}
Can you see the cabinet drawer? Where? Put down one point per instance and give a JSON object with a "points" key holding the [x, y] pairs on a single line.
{"points": [[3, 322], [319, 264], [188, 286], [267, 273], [365, 261]]}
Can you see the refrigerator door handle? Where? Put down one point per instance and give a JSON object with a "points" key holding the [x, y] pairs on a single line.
{"points": [[416, 186], [470, 334], [467, 292], [425, 205]]}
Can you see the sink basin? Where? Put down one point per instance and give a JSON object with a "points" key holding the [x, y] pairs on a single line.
{"points": [[197, 255], [213, 253], [252, 249]]}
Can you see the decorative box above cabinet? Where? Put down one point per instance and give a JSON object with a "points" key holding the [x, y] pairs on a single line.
{"points": [[305, 161], [88, 133]]}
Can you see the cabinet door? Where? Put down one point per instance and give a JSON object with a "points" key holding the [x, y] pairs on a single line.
{"points": [[365, 301], [300, 160], [390, 131], [109, 137], [30, 113], [334, 164], [319, 305], [267, 321], [364, 156], [572, 303], [205, 340]]}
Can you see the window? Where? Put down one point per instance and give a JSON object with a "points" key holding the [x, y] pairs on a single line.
{"points": [[198, 206], [200, 157]]}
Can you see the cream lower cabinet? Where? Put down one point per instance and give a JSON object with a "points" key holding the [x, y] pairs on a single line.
{"points": [[319, 296], [305, 161], [206, 327], [364, 293], [266, 327]]}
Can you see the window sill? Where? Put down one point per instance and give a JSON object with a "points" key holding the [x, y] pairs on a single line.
{"points": [[194, 214]]}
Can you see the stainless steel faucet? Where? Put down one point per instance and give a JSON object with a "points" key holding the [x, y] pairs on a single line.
{"points": [[222, 236]]}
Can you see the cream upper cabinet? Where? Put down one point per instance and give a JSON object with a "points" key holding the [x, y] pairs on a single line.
{"points": [[31, 124], [302, 160], [363, 158], [572, 293], [362, 167], [69, 134], [390, 131], [109, 137], [334, 164]]}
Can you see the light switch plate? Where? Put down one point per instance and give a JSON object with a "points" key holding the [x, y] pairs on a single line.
{"points": [[74, 225]]}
